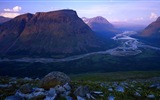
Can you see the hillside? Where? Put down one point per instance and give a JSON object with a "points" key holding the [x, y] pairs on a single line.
{"points": [[47, 34]]}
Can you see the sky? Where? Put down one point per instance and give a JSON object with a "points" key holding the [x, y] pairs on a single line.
{"points": [[130, 11]]}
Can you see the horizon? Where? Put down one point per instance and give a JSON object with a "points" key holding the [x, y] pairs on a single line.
{"points": [[136, 12]]}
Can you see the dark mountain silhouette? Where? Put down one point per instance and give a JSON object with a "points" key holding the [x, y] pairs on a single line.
{"points": [[47, 34]]}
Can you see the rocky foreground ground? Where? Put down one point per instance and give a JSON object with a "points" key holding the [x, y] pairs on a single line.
{"points": [[58, 86]]}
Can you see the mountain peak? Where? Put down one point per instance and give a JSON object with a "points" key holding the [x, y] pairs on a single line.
{"points": [[158, 19], [152, 31], [58, 12], [23, 18], [100, 19]]}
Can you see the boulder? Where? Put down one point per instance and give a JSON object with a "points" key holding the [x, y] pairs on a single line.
{"points": [[67, 87], [14, 97], [81, 91], [53, 79], [26, 88], [60, 89], [119, 89]]}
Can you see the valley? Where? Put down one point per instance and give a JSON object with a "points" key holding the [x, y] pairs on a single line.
{"points": [[80, 50], [130, 55], [128, 46]]}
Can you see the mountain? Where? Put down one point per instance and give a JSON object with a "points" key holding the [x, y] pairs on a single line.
{"points": [[47, 34], [100, 25], [152, 32], [4, 19]]}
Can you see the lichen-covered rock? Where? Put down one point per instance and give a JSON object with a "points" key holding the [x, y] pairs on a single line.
{"points": [[26, 88], [53, 79]]}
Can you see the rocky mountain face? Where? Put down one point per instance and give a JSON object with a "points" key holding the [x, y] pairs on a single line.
{"points": [[100, 25], [47, 33], [152, 33], [4, 19]]}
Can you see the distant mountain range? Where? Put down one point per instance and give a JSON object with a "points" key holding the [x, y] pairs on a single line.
{"points": [[47, 34], [123, 26], [101, 26], [4, 19]]}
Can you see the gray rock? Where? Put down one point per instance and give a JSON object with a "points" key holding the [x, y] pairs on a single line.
{"points": [[38, 90], [151, 96], [97, 92], [13, 82], [119, 89], [137, 94], [14, 98], [59, 89], [5, 85], [103, 85], [67, 87], [52, 92], [80, 98], [50, 98], [37, 79], [68, 98], [53, 79], [90, 97], [154, 85], [26, 88], [30, 95], [115, 84], [13, 79], [67, 93], [158, 88], [27, 79], [111, 97], [81, 91], [110, 89]]}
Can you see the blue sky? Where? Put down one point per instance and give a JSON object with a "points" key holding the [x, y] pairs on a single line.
{"points": [[132, 11]]}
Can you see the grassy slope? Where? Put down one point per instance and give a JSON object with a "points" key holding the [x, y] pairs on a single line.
{"points": [[115, 76]]}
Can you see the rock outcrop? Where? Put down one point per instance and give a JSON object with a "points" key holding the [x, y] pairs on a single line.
{"points": [[53, 79]]}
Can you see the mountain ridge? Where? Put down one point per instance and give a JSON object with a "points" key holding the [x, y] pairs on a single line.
{"points": [[4, 19], [47, 33]]}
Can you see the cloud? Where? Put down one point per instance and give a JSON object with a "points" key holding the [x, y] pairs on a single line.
{"points": [[94, 11], [139, 19], [14, 9], [9, 15], [153, 16]]}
